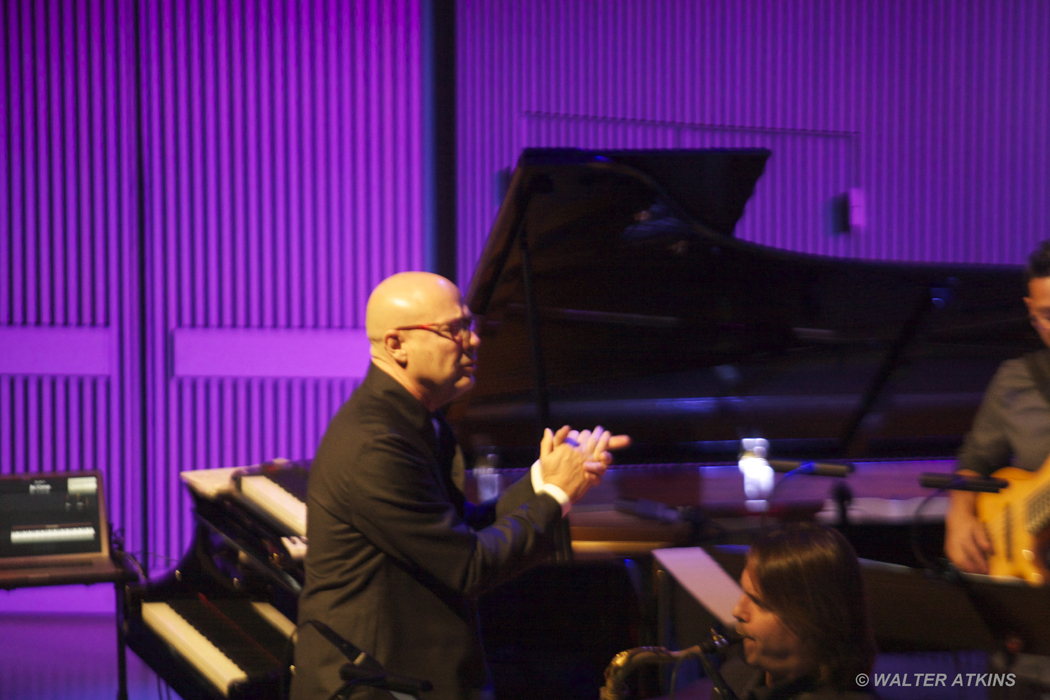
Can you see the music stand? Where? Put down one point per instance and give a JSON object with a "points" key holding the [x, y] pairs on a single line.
{"points": [[912, 611], [54, 532]]}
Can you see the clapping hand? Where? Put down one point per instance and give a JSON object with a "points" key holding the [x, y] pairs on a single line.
{"points": [[598, 445], [589, 449]]}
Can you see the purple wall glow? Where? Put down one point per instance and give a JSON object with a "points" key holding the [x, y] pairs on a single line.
{"points": [[68, 277], [281, 149], [936, 109]]}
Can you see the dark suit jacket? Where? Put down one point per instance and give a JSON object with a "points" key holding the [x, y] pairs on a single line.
{"points": [[396, 556]]}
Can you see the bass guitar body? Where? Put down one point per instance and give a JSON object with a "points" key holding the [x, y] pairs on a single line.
{"points": [[1018, 520]]}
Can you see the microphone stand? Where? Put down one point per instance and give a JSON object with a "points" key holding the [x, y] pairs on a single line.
{"points": [[792, 468]]}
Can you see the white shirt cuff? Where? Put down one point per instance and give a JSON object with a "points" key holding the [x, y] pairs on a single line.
{"points": [[556, 492]]}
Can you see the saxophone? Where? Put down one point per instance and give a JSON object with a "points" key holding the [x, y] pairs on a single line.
{"points": [[627, 662]]}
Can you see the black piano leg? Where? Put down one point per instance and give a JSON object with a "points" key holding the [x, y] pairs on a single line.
{"points": [[122, 661]]}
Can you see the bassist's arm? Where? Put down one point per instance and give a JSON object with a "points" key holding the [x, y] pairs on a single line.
{"points": [[965, 539], [986, 449]]}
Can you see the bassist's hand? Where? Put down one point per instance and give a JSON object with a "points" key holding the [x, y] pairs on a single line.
{"points": [[965, 539]]}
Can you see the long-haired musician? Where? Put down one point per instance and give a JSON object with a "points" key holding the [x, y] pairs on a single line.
{"points": [[803, 617]]}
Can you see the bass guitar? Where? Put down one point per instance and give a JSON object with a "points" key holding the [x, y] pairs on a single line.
{"points": [[1018, 523]]}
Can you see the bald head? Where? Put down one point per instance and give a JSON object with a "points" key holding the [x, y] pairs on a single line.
{"points": [[405, 299], [433, 364]]}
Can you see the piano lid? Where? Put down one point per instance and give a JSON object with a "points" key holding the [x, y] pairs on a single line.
{"points": [[652, 318]]}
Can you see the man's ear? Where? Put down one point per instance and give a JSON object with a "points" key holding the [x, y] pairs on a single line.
{"points": [[395, 348]]}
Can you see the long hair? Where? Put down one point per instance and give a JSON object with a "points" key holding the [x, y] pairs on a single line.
{"points": [[808, 574]]}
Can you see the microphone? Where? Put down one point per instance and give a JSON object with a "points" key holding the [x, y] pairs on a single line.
{"points": [[357, 675], [716, 643], [812, 468], [961, 482]]}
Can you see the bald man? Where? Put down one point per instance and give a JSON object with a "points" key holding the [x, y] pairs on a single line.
{"points": [[397, 557]]}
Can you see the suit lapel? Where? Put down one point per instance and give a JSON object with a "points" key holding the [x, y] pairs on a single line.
{"points": [[446, 454]]}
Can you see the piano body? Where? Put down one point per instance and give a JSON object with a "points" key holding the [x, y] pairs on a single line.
{"points": [[611, 289], [219, 626]]}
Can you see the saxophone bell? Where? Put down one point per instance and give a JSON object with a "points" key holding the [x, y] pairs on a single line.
{"points": [[627, 662]]}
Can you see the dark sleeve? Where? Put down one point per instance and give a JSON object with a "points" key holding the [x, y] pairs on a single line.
{"points": [[516, 494], [398, 502], [987, 446]]}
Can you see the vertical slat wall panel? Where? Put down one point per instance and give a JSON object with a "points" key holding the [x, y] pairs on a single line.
{"points": [[67, 253], [285, 174], [945, 102], [281, 179]]}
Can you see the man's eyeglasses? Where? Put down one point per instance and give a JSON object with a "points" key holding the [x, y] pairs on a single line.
{"points": [[453, 330]]}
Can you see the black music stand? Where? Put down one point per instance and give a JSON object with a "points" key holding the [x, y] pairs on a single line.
{"points": [[912, 611], [118, 576], [33, 565], [1016, 613], [703, 599]]}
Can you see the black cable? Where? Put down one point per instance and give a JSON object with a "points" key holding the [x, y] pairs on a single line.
{"points": [[287, 660], [916, 546], [674, 676], [339, 693], [135, 562], [719, 688], [773, 492], [345, 688], [116, 544], [162, 688]]}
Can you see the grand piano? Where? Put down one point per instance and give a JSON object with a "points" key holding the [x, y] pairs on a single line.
{"points": [[612, 290]]}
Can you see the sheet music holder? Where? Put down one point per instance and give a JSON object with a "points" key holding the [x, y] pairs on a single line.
{"points": [[704, 578], [54, 531], [1017, 614]]}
